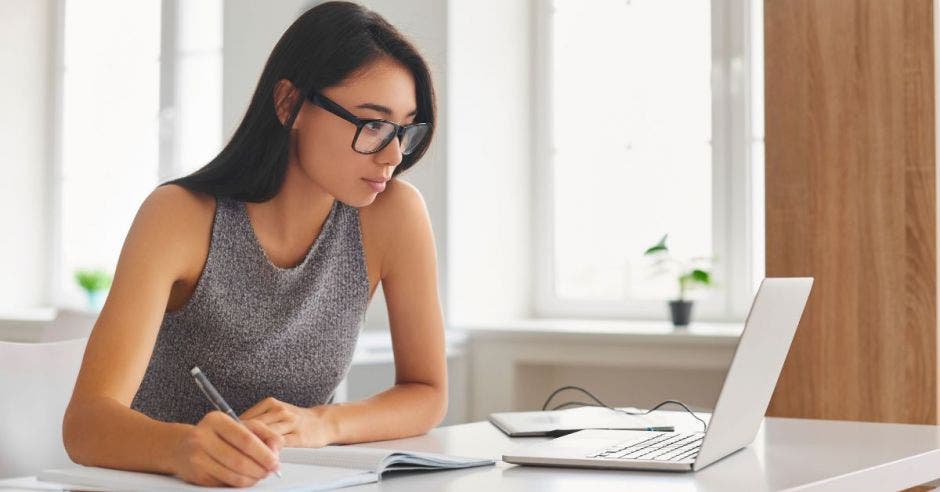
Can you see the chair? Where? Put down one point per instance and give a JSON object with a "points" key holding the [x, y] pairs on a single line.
{"points": [[46, 325], [36, 382]]}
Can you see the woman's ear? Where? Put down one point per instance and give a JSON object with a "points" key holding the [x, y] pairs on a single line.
{"points": [[285, 100]]}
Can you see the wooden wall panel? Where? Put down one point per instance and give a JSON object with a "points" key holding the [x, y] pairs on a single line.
{"points": [[851, 200]]}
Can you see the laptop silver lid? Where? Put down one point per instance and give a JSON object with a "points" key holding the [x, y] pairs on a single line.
{"points": [[755, 367]]}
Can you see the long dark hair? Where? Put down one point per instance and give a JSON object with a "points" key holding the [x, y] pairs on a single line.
{"points": [[324, 46]]}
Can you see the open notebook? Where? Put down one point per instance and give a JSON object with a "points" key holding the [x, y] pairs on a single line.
{"points": [[323, 468]]}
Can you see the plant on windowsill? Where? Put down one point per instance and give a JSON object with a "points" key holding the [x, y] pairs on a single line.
{"points": [[95, 283], [691, 273]]}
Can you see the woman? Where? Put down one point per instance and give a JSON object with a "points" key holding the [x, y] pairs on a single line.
{"points": [[258, 269]]}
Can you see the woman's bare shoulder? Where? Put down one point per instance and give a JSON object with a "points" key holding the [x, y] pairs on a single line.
{"points": [[396, 225], [173, 199], [177, 211], [396, 210], [175, 220]]}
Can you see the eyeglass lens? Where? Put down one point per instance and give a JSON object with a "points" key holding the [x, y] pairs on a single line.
{"points": [[375, 135]]}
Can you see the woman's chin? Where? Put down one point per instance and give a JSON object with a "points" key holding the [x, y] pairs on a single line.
{"points": [[360, 200], [361, 195]]}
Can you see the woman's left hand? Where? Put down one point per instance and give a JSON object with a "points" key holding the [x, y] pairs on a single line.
{"points": [[300, 427]]}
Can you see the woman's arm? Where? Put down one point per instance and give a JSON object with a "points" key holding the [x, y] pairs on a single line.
{"points": [[418, 400], [99, 427]]}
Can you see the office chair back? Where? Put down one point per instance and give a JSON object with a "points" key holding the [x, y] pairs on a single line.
{"points": [[36, 382]]}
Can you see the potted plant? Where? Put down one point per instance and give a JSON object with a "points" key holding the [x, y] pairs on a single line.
{"points": [[691, 273], [95, 283]]}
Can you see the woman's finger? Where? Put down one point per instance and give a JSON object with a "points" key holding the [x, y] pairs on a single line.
{"points": [[221, 474], [292, 439], [267, 434], [279, 426], [244, 451], [256, 410], [266, 418]]}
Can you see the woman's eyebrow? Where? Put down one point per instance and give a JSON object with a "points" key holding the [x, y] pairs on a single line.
{"points": [[382, 109]]}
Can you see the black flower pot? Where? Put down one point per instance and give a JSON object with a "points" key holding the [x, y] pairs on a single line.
{"points": [[681, 312]]}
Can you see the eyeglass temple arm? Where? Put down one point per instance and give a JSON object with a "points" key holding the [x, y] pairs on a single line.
{"points": [[338, 110], [334, 108]]}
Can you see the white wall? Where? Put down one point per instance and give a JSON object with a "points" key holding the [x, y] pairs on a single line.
{"points": [[250, 29], [26, 70], [489, 154]]}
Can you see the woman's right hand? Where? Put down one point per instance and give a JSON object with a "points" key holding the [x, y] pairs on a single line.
{"points": [[218, 451]]}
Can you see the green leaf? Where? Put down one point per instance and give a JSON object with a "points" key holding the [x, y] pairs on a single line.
{"points": [[701, 276], [660, 246], [93, 280]]}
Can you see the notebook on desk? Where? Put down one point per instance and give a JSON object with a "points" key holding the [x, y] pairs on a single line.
{"points": [[561, 422], [325, 468]]}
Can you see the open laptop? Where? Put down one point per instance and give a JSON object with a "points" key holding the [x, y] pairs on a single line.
{"points": [[749, 384]]}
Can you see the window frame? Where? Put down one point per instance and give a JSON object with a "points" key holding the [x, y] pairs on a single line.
{"points": [[735, 229], [169, 138]]}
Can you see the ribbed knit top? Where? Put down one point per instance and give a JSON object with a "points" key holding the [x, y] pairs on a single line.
{"points": [[258, 330]]}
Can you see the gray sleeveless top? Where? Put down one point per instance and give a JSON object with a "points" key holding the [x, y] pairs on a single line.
{"points": [[257, 330]]}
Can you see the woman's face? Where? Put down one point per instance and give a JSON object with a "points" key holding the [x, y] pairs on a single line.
{"points": [[323, 144]]}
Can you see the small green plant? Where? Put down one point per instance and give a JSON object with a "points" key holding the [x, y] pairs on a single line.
{"points": [[691, 273], [93, 280]]}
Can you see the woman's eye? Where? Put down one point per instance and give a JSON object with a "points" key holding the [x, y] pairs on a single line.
{"points": [[374, 127]]}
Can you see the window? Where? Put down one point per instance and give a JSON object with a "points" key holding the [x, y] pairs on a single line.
{"points": [[140, 98], [646, 130], [196, 109]]}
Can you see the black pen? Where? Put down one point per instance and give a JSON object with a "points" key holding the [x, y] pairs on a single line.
{"points": [[213, 395]]}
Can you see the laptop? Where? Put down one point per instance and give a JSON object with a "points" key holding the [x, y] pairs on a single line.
{"points": [[762, 349]]}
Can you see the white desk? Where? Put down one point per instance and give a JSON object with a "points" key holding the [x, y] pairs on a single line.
{"points": [[788, 454], [799, 454]]}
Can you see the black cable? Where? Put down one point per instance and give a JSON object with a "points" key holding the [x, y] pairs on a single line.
{"points": [[602, 404], [579, 403]]}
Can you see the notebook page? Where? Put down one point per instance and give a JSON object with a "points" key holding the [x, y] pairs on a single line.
{"points": [[424, 461], [295, 478], [361, 458], [376, 459]]}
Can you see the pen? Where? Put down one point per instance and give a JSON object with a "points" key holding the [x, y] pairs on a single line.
{"points": [[213, 395], [665, 428]]}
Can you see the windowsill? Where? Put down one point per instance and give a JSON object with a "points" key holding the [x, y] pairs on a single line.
{"points": [[633, 330], [29, 314], [375, 346], [45, 324]]}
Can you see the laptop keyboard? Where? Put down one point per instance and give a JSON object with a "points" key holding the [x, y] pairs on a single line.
{"points": [[659, 447]]}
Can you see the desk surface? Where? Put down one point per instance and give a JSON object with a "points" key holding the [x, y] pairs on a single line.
{"points": [[788, 454]]}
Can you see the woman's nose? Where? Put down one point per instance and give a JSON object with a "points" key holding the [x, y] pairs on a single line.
{"points": [[390, 155]]}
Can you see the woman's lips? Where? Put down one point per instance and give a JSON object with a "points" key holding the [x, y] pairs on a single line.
{"points": [[377, 186]]}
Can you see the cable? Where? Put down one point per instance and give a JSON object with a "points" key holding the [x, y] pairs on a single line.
{"points": [[602, 404], [579, 403]]}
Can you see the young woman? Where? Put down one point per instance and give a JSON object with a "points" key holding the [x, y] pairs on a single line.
{"points": [[258, 269]]}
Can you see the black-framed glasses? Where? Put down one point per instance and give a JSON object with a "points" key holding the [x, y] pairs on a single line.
{"points": [[372, 135]]}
